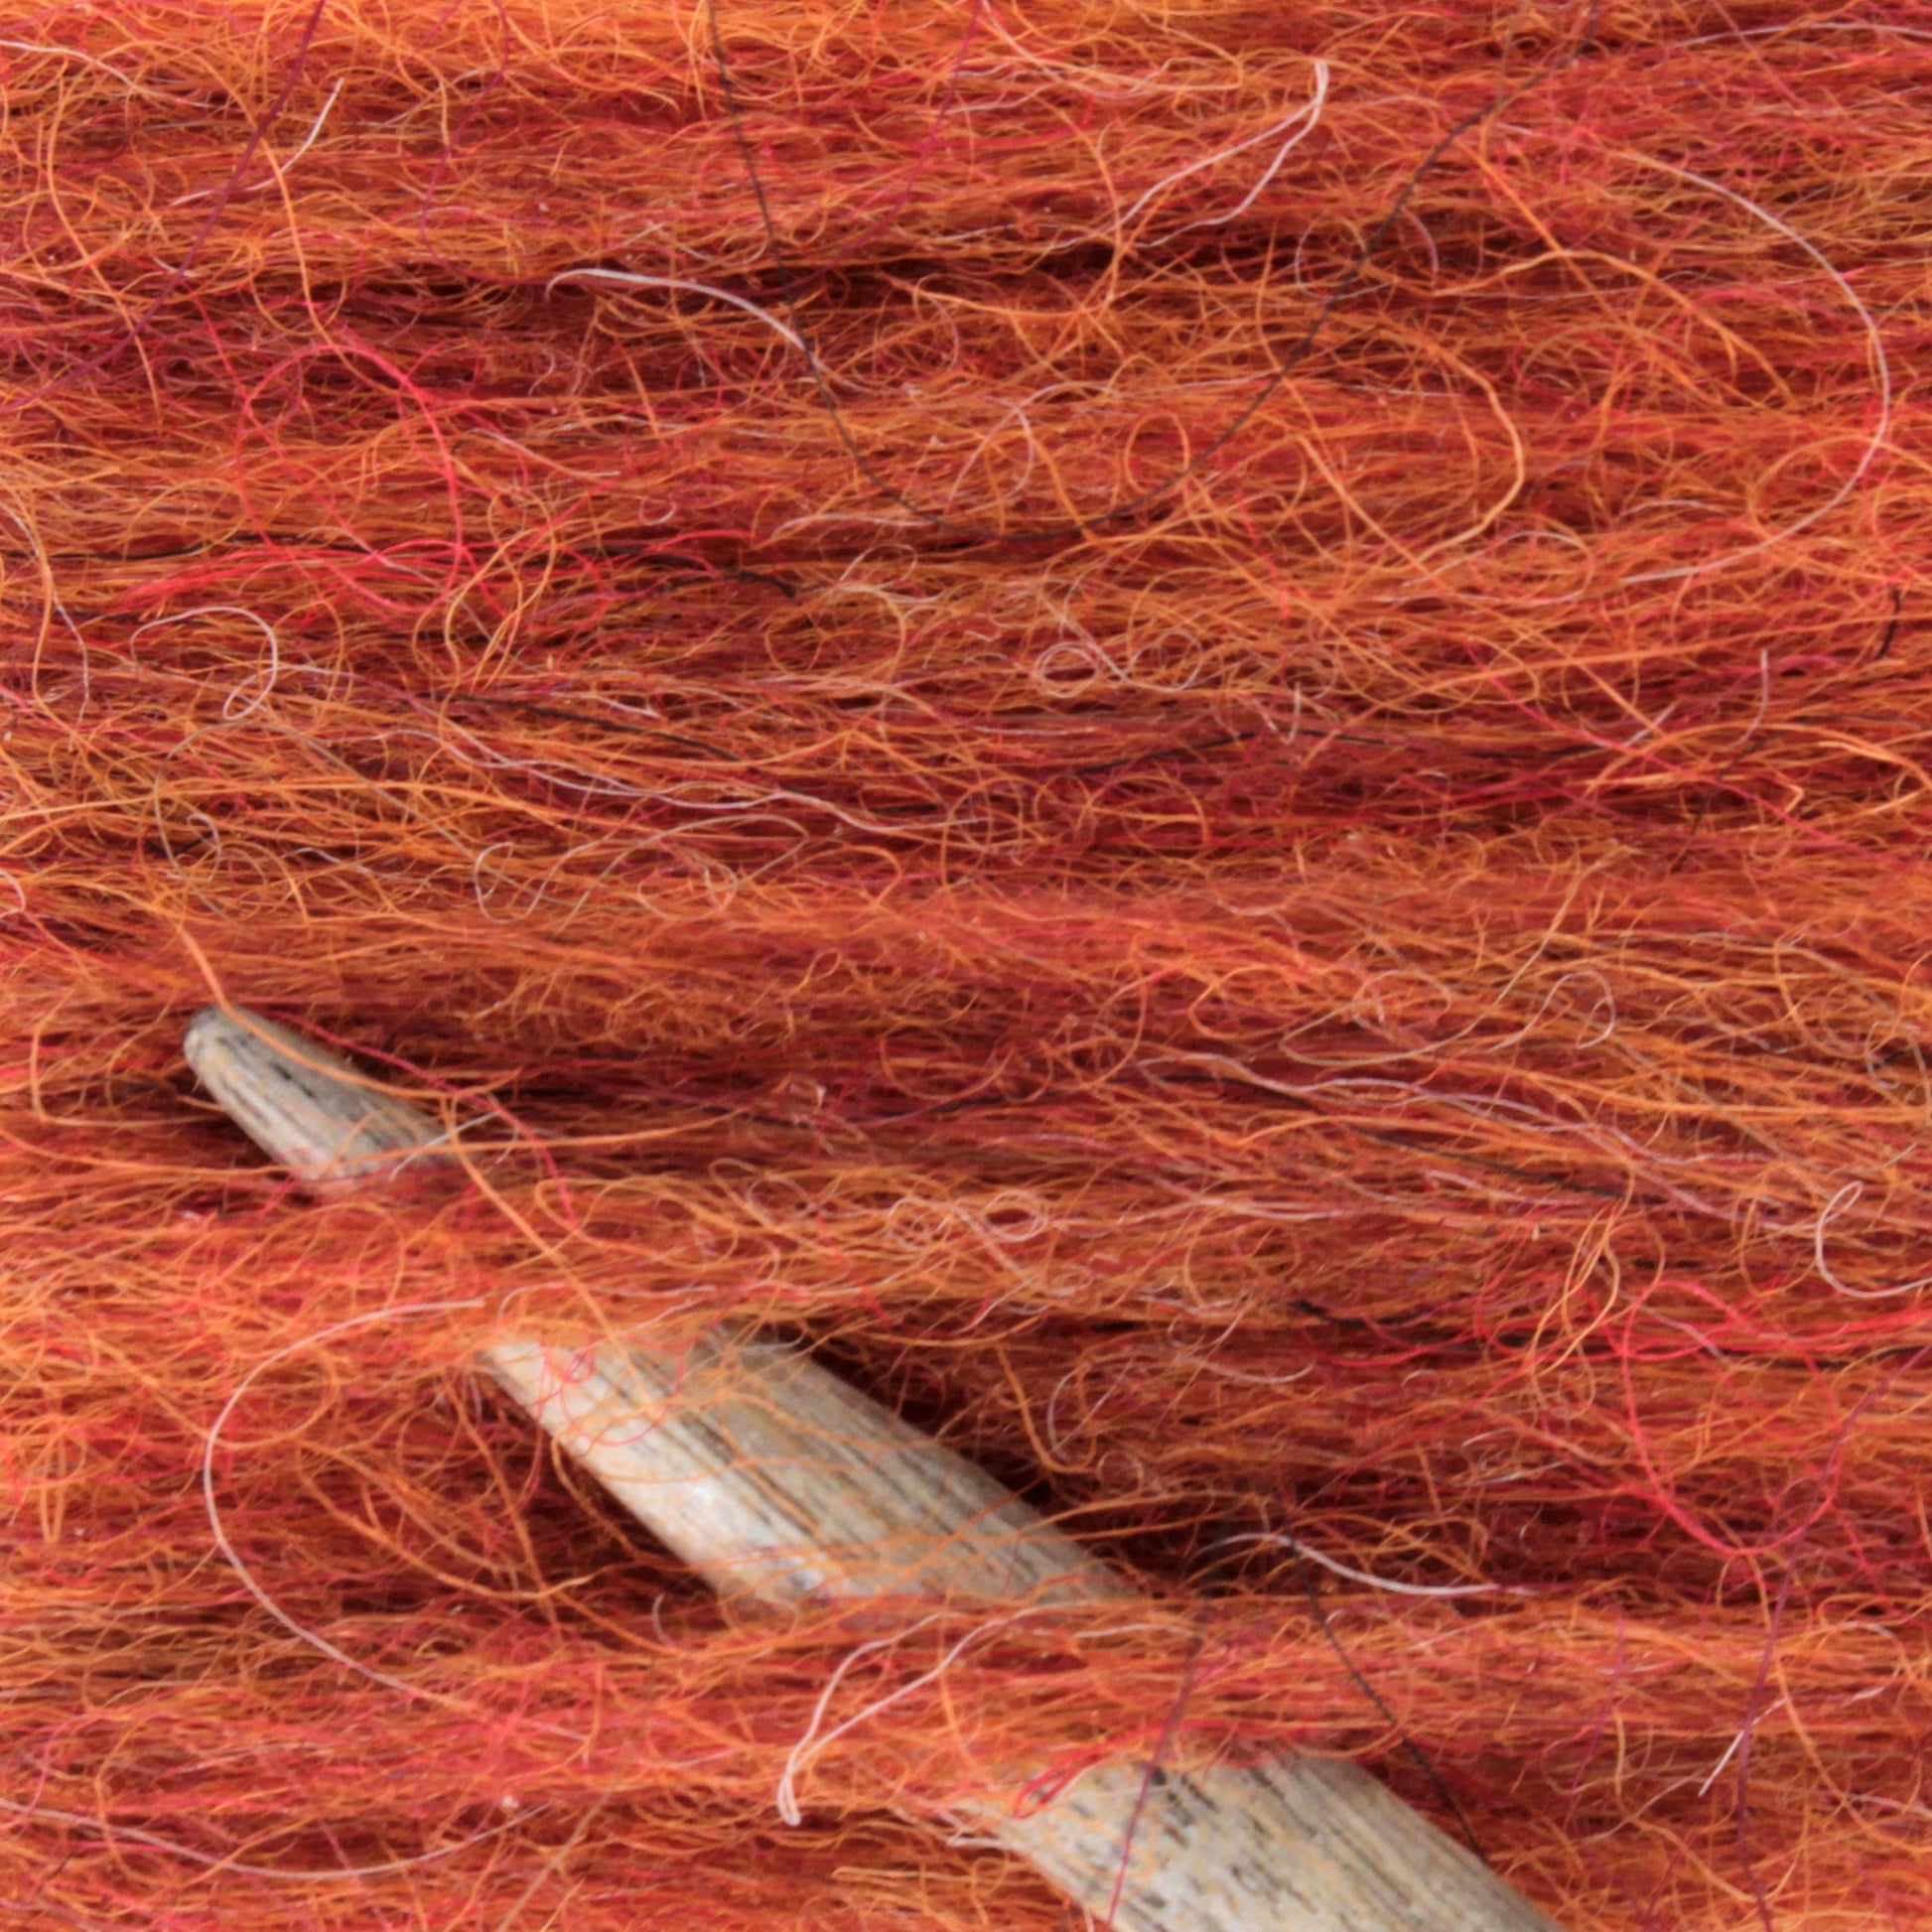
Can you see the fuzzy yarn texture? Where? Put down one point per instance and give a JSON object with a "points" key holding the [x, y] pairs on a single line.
{"points": [[1200, 730]]}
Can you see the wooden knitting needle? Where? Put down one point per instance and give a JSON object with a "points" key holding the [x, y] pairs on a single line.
{"points": [[779, 1486]]}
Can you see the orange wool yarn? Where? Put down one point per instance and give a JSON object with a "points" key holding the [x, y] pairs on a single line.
{"points": [[1232, 792]]}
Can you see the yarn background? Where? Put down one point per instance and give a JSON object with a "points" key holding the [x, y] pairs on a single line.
{"points": [[1283, 892]]}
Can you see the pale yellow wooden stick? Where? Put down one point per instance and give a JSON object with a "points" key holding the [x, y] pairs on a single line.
{"points": [[780, 1485]]}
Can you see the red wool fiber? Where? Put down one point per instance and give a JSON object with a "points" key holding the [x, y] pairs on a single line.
{"points": [[1200, 730]]}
